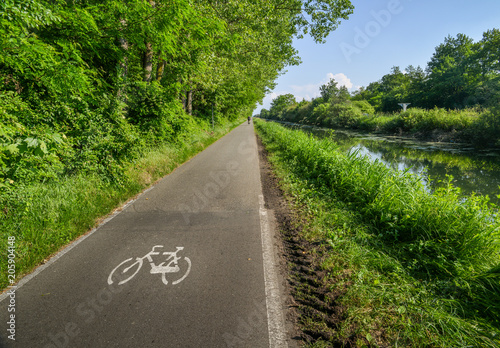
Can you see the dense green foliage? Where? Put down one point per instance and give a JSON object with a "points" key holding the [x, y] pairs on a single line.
{"points": [[89, 88], [89, 84], [462, 75], [415, 268]]}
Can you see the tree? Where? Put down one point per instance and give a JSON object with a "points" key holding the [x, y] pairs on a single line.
{"points": [[264, 113], [488, 54], [280, 104], [316, 17], [487, 63], [333, 94], [328, 90], [450, 73], [460, 73], [113, 75]]}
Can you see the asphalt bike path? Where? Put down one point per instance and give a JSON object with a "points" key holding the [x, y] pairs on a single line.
{"points": [[181, 266]]}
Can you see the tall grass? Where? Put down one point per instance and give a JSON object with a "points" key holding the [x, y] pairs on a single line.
{"points": [[474, 125], [425, 267], [45, 217], [425, 121]]}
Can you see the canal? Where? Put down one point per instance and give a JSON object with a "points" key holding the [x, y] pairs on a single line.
{"points": [[473, 170]]}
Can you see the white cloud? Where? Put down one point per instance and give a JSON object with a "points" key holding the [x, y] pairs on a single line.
{"points": [[306, 92], [341, 79], [311, 90]]}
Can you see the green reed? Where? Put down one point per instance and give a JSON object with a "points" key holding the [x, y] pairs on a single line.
{"points": [[425, 266]]}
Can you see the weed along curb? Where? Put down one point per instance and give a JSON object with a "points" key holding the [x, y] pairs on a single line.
{"points": [[385, 262]]}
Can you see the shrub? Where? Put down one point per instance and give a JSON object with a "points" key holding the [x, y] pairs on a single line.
{"points": [[300, 113], [426, 121], [148, 108], [364, 106], [27, 153], [320, 114], [485, 130], [345, 116]]}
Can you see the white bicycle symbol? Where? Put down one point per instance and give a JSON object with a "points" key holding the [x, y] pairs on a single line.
{"points": [[133, 269]]}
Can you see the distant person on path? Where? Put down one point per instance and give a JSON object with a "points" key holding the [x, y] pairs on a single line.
{"points": [[249, 118]]}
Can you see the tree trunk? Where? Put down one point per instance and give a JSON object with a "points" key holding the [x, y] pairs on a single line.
{"points": [[189, 102], [123, 65], [159, 69], [147, 62], [124, 44], [183, 96]]}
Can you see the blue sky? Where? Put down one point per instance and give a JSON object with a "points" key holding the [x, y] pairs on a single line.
{"points": [[379, 35]]}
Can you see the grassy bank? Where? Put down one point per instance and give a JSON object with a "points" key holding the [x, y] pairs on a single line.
{"points": [[43, 217], [414, 268]]}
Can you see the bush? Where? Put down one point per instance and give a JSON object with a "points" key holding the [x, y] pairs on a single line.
{"points": [[299, 113], [27, 154], [148, 109], [345, 116], [485, 130], [426, 121], [158, 117], [341, 115], [364, 106], [320, 115]]}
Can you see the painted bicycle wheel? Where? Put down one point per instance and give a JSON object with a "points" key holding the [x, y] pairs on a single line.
{"points": [[185, 266], [124, 273]]}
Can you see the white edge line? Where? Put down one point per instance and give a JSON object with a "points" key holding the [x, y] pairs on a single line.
{"points": [[275, 320], [70, 246]]}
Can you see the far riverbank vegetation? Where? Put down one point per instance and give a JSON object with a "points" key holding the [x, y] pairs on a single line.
{"points": [[456, 98]]}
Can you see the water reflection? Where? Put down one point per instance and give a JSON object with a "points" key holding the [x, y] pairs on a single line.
{"points": [[473, 171]]}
